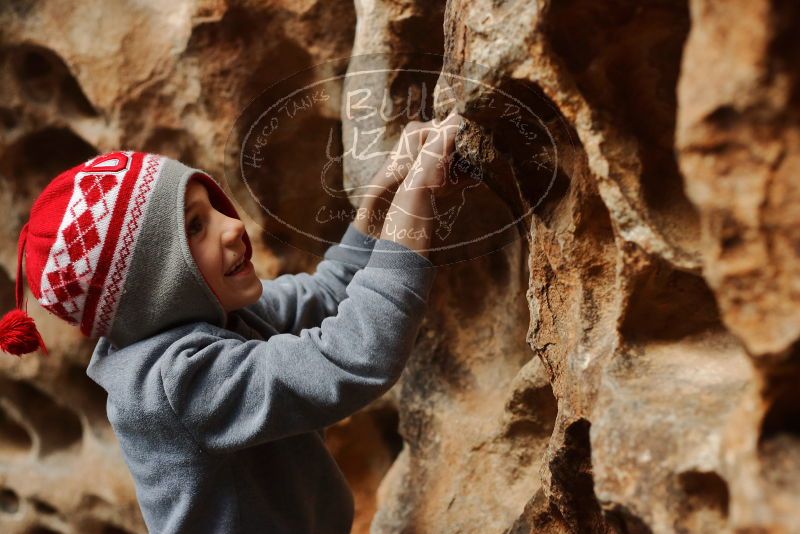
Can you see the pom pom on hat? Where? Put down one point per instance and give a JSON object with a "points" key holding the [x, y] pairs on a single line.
{"points": [[18, 333]]}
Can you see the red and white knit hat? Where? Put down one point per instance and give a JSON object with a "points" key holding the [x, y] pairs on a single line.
{"points": [[107, 231]]}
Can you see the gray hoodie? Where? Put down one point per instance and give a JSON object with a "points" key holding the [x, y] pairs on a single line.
{"points": [[221, 428]]}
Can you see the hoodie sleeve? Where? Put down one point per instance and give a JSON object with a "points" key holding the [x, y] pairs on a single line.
{"points": [[292, 302], [236, 393]]}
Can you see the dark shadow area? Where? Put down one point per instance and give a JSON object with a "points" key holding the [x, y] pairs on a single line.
{"points": [[572, 482], [87, 398], [43, 77], [668, 304], [625, 57], [173, 143], [33, 161], [14, 438], [43, 507], [624, 521], [779, 439], [704, 506], [785, 47], [9, 501], [533, 410], [57, 428]]}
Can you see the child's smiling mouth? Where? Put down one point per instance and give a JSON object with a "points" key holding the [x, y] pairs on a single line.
{"points": [[243, 266]]}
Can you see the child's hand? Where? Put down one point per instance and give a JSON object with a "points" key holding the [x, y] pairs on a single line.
{"points": [[416, 211], [432, 169], [376, 196], [403, 155]]}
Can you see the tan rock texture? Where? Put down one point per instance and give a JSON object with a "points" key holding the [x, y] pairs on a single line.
{"points": [[623, 358]]}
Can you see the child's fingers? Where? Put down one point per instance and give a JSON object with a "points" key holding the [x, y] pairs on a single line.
{"points": [[441, 141], [411, 139], [430, 167], [453, 119], [444, 133]]}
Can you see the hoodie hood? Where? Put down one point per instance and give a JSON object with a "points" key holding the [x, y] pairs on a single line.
{"points": [[164, 287]]}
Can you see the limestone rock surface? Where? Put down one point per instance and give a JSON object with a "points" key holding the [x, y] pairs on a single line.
{"points": [[621, 357]]}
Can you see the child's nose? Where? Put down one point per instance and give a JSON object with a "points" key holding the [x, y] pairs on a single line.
{"points": [[233, 231]]}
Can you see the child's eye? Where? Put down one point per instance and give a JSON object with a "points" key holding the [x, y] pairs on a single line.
{"points": [[194, 226]]}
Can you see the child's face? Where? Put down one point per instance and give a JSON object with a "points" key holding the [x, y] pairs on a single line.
{"points": [[217, 245]]}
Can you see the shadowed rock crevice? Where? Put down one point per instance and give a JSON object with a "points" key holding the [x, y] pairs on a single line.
{"points": [[102, 527], [9, 501], [704, 507], [15, 440], [625, 58], [304, 217], [530, 131], [25, 164], [572, 485], [784, 48], [365, 445], [88, 399], [43, 507], [44, 78], [55, 428], [171, 142], [532, 409], [237, 35], [668, 304], [779, 438], [9, 118], [622, 520]]}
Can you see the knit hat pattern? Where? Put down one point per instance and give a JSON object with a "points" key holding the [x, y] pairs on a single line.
{"points": [[94, 241], [105, 250]]}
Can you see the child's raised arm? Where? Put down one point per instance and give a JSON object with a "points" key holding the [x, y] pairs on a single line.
{"points": [[292, 302], [231, 394]]}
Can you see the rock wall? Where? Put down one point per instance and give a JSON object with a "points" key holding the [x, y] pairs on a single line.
{"points": [[626, 363]]}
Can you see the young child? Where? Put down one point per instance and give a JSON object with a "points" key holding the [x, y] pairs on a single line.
{"points": [[220, 384]]}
